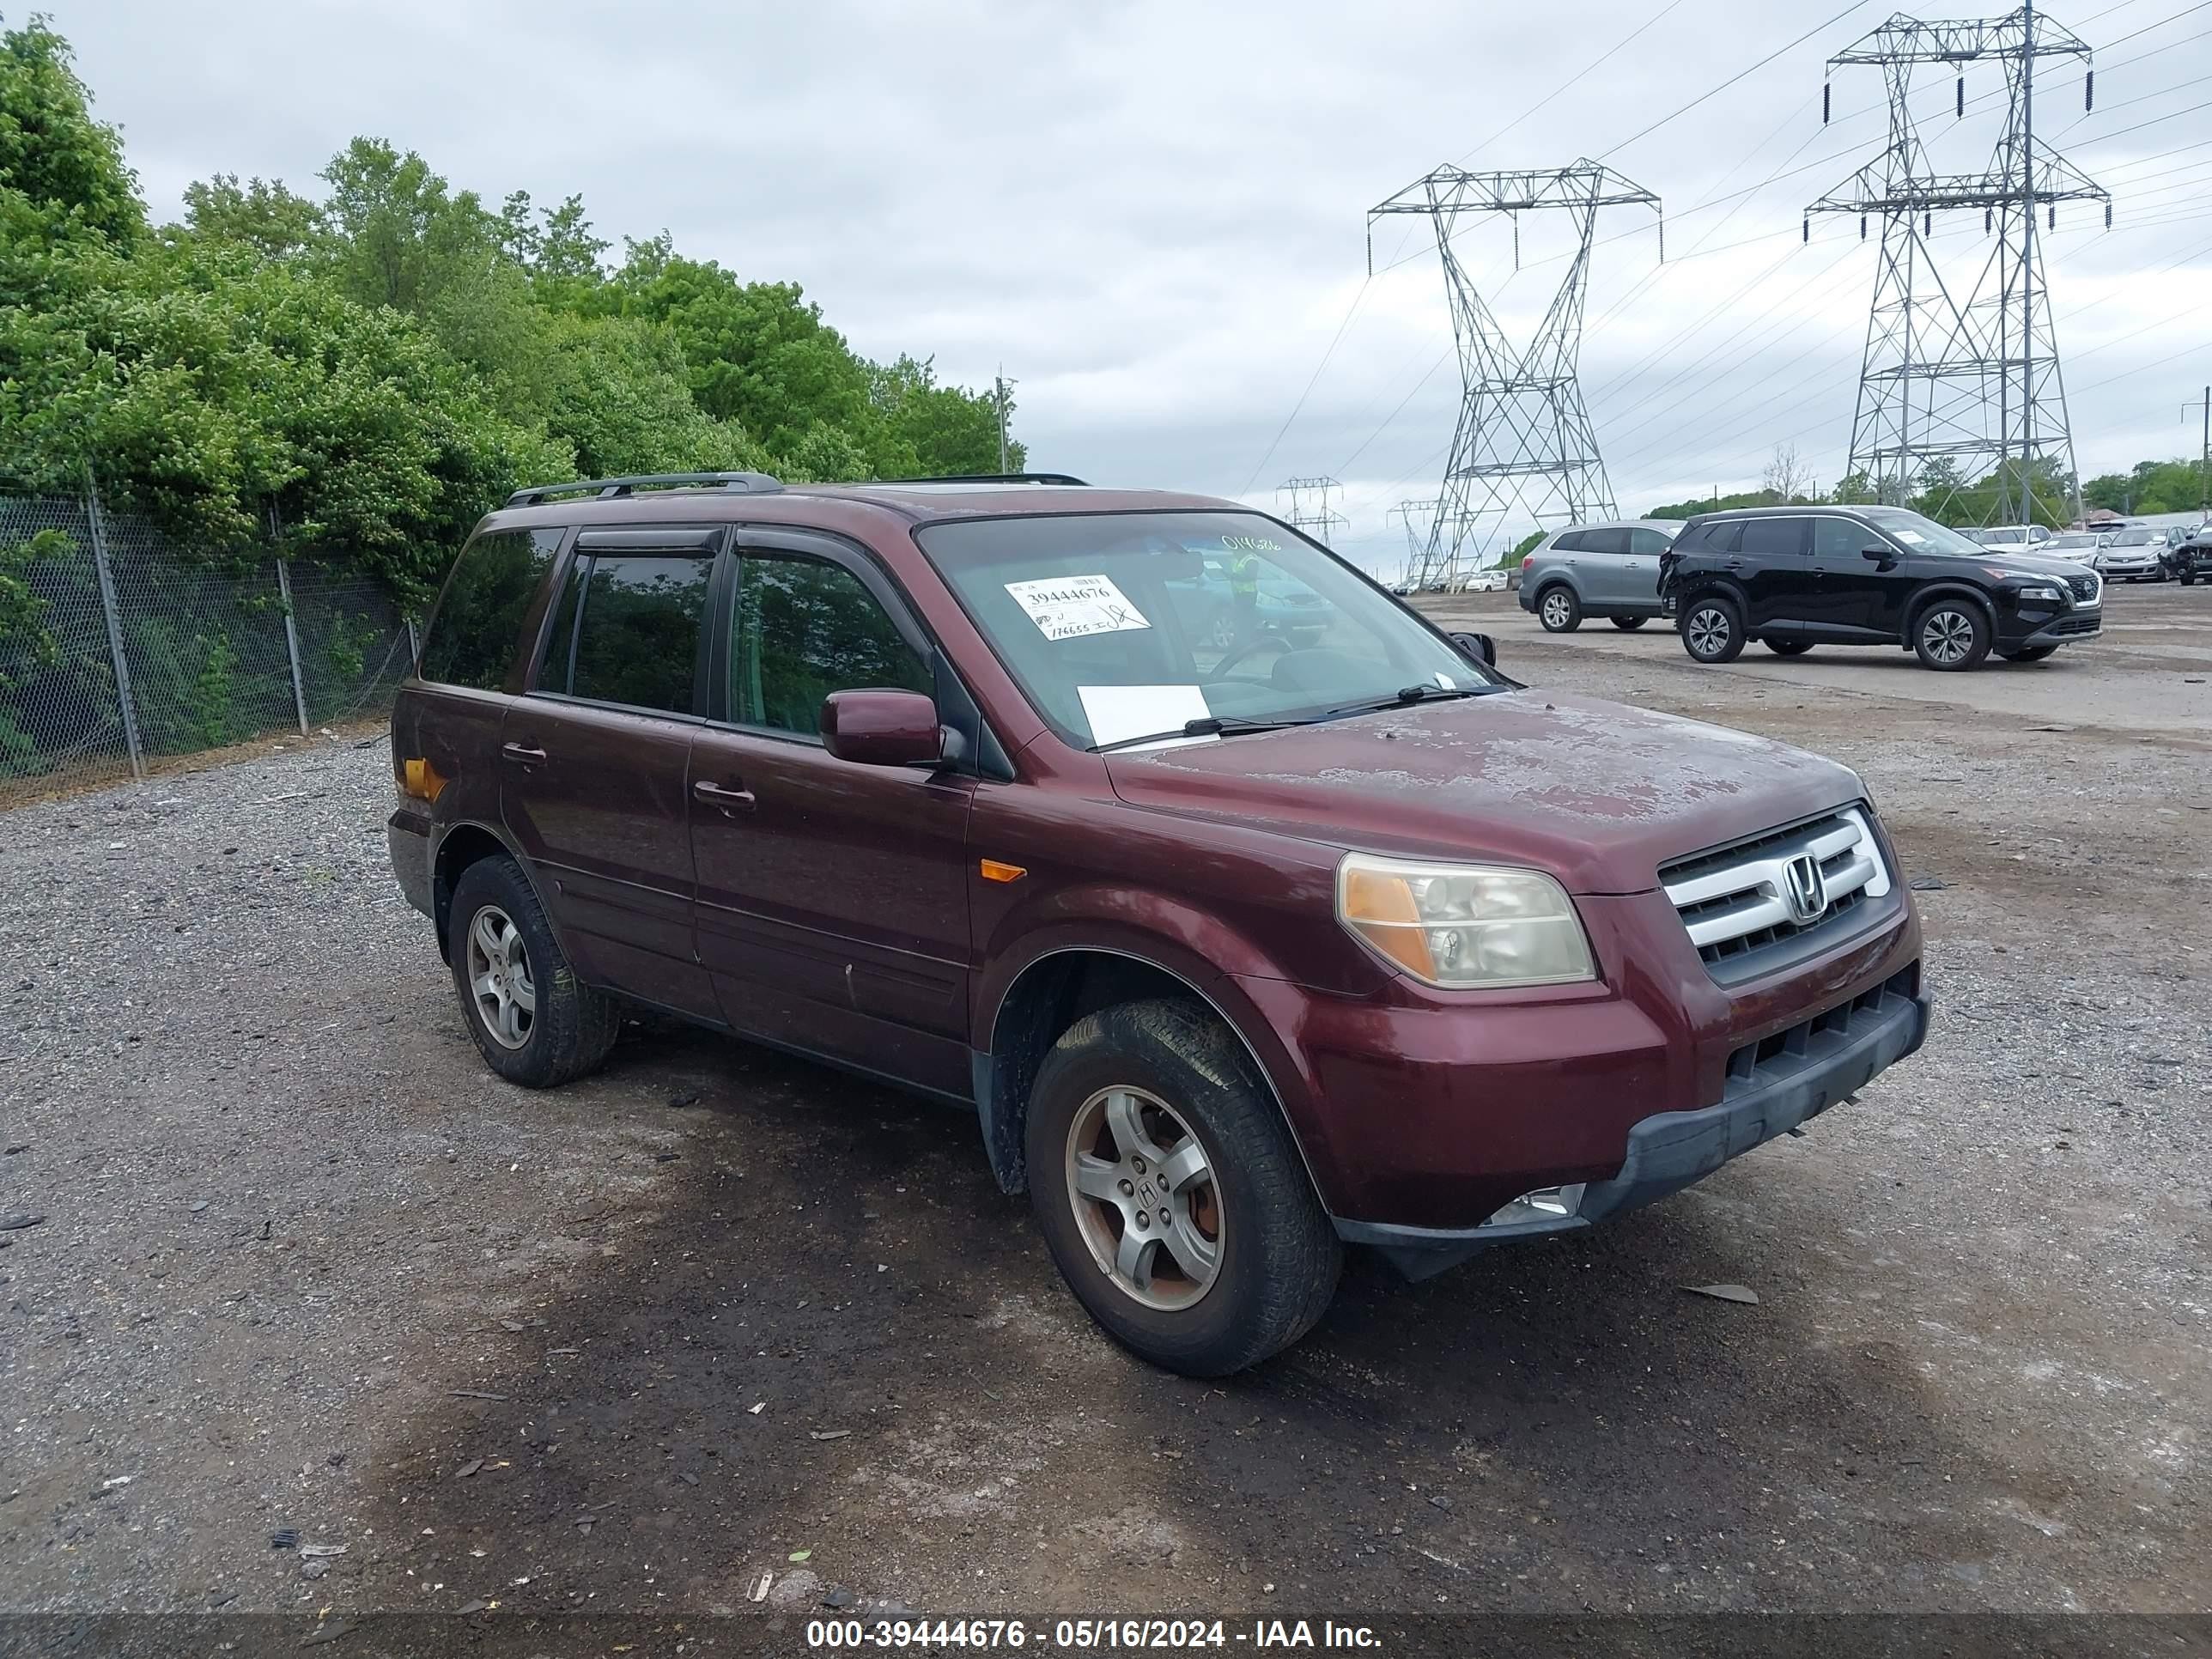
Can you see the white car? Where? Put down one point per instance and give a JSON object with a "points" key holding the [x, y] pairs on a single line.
{"points": [[2018, 537]]}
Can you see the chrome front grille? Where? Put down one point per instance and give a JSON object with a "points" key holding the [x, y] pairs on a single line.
{"points": [[1743, 903], [2085, 589]]}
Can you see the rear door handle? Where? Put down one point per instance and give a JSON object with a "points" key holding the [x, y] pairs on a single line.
{"points": [[522, 754], [1735, 564], [729, 800]]}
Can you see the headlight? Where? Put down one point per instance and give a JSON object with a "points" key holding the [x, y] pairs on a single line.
{"points": [[2044, 592], [1464, 924]]}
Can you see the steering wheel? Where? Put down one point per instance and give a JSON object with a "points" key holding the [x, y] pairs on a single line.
{"points": [[1236, 653]]}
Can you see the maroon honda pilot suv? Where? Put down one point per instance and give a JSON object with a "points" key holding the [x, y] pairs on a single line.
{"points": [[1246, 929]]}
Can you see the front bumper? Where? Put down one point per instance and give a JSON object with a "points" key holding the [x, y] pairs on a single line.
{"points": [[1773, 1086], [2069, 627]]}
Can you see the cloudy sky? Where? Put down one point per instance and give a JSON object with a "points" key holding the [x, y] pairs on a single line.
{"points": [[1151, 212]]}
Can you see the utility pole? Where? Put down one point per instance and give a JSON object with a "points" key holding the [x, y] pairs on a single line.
{"points": [[2204, 465], [1934, 347], [999, 397], [1524, 447]]}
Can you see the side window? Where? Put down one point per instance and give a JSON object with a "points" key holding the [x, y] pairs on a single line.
{"points": [[1841, 538], [472, 638], [1614, 540], [627, 630], [1569, 541], [1774, 538], [1648, 543], [805, 628]]}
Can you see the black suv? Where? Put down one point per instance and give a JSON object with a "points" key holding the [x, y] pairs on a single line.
{"points": [[1797, 577], [2188, 554]]}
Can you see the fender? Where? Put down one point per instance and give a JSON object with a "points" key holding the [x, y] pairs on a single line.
{"points": [[1945, 587], [1275, 1062], [438, 834]]}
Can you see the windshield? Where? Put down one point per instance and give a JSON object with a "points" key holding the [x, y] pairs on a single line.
{"points": [[1924, 535], [2058, 541], [1125, 625], [2131, 538]]}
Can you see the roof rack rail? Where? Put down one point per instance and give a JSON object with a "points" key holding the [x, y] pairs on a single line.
{"points": [[743, 483], [995, 477]]}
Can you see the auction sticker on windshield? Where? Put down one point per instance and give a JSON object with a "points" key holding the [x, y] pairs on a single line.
{"points": [[1069, 607]]}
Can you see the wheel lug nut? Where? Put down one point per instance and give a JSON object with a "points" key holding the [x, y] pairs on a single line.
{"points": [[1128, 1188], [1143, 1221], [1138, 1164], [1165, 1219]]}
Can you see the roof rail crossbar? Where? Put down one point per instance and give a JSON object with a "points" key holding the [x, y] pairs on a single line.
{"points": [[610, 489], [995, 477]]}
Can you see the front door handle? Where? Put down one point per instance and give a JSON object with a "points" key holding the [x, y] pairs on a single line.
{"points": [[1735, 564], [522, 755], [739, 799]]}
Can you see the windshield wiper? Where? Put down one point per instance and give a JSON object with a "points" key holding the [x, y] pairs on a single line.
{"points": [[1407, 696], [1207, 725]]}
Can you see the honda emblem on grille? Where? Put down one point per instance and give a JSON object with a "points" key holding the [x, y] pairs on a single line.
{"points": [[1803, 888]]}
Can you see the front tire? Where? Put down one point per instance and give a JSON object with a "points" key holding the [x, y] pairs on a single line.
{"points": [[1951, 636], [1558, 609], [1170, 1194], [533, 1021], [1712, 630]]}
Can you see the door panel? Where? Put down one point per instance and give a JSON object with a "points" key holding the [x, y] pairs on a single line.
{"points": [[1845, 582], [594, 793], [595, 798], [832, 909], [1603, 567], [1770, 562]]}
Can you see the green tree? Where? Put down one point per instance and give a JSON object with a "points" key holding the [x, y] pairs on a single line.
{"points": [[262, 216], [62, 161]]}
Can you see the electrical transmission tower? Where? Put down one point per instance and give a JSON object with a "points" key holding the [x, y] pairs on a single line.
{"points": [[1310, 509], [1525, 439], [1419, 518], [1958, 380]]}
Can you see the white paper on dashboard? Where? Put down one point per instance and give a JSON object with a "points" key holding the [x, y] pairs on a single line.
{"points": [[1118, 713], [1068, 607]]}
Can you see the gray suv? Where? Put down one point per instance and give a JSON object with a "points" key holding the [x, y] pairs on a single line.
{"points": [[1608, 570]]}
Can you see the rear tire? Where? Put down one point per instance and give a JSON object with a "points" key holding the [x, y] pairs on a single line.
{"points": [[1712, 630], [1629, 624], [1952, 635], [1558, 609], [2028, 653], [1237, 1258], [1787, 647], [533, 1021]]}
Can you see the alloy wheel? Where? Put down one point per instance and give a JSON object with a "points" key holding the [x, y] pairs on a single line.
{"points": [[1948, 636], [1555, 609], [1145, 1198], [500, 988], [1707, 631]]}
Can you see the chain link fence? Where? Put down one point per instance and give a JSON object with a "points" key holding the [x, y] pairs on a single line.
{"points": [[114, 649]]}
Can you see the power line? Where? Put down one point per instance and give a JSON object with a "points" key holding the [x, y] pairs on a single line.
{"points": [[1310, 383]]}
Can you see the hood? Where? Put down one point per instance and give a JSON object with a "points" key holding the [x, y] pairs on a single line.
{"points": [[1597, 793], [2002, 561]]}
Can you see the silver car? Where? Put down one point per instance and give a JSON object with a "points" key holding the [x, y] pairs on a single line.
{"points": [[1610, 570], [2134, 553]]}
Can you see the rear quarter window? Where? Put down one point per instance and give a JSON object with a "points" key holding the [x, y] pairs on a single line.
{"points": [[471, 640]]}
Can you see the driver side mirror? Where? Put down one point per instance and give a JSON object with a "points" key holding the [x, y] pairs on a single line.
{"points": [[882, 728], [1879, 555], [1475, 648]]}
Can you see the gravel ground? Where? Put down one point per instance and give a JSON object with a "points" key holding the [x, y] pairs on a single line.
{"points": [[625, 1348]]}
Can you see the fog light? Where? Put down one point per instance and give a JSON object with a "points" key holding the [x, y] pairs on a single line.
{"points": [[1545, 1204]]}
